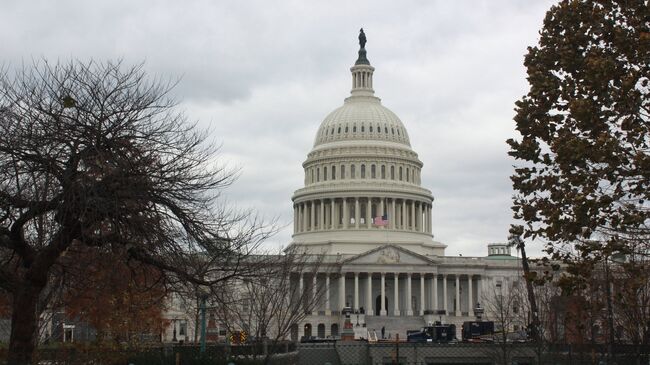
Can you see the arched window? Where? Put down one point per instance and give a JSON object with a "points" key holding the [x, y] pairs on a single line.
{"points": [[363, 171], [373, 172], [370, 129], [353, 173], [363, 128], [386, 130], [324, 173], [342, 171], [318, 174], [383, 171], [354, 128], [398, 131], [392, 131], [333, 172], [312, 175], [407, 174], [400, 173], [392, 172], [346, 129], [339, 130]]}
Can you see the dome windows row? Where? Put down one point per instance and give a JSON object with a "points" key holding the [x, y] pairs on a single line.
{"points": [[323, 173], [385, 130]]}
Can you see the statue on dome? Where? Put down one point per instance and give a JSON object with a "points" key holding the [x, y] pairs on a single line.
{"points": [[362, 38]]}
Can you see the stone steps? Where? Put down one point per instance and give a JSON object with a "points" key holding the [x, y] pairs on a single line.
{"points": [[394, 325]]}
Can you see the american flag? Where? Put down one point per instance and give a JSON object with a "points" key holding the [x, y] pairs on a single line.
{"points": [[381, 221]]}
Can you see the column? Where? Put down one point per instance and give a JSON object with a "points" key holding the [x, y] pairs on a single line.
{"points": [[382, 301], [445, 306], [405, 219], [321, 222], [457, 295], [396, 312], [328, 310], [413, 218], [356, 213], [346, 214], [422, 294], [435, 292], [314, 287], [479, 286], [471, 299], [301, 287], [341, 292], [368, 212], [335, 214], [418, 222], [305, 217], [369, 309], [393, 218], [295, 219], [326, 216], [299, 217], [312, 214], [381, 210], [409, 305], [356, 291]]}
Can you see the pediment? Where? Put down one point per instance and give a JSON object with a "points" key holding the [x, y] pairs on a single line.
{"points": [[388, 254]]}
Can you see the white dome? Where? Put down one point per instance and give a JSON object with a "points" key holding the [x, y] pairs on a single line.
{"points": [[362, 118]]}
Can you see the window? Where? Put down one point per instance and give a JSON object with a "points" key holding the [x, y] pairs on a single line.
{"points": [[392, 131], [346, 129], [339, 130], [342, 171], [400, 173], [354, 129], [362, 128], [386, 130], [333, 172], [324, 173], [182, 328], [398, 131], [312, 175], [383, 171], [332, 130], [363, 171], [392, 172], [373, 172], [318, 174], [370, 129], [407, 174], [353, 174]]}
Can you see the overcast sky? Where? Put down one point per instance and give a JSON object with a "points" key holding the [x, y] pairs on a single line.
{"points": [[262, 75]]}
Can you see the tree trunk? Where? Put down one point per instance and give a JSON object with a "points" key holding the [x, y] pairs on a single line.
{"points": [[24, 325]]}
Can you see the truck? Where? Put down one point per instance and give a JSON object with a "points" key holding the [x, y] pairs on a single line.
{"points": [[478, 331], [438, 333]]}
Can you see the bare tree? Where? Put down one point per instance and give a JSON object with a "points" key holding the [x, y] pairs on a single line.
{"points": [[95, 155], [505, 307], [270, 304]]}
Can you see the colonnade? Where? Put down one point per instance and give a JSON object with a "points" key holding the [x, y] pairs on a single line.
{"points": [[429, 284], [358, 213]]}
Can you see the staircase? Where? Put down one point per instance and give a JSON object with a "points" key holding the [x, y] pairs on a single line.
{"points": [[394, 325]]}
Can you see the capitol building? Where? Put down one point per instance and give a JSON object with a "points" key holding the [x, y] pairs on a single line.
{"points": [[364, 208]]}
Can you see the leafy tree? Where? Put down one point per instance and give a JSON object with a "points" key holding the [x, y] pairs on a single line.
{"points": [[96, 156], [583, 182]]}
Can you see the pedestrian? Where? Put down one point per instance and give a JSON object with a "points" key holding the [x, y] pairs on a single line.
{"points": [[383, 332]]}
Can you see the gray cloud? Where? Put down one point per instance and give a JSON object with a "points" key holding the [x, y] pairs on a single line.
{"points": [[261, 76]]}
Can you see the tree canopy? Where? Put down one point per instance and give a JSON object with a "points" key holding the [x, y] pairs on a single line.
{"points": [[584, 155], [97, 156]]}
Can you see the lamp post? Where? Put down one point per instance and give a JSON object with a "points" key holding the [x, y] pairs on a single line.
{"points": [[203, 296]]}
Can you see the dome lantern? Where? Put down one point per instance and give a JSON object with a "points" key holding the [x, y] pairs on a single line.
{"points": [[362, 71]]}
